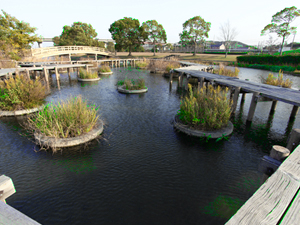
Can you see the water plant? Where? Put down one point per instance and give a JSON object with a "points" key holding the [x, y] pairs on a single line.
{"points": [[132, 84], [67, 119], [172, 66], [21, 93], [227, 72], [208, 109], [83, 74], [142, 64], [104, 69], [279, 81]]}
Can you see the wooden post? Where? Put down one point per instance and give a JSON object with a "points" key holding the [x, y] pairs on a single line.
{"points": [[69, 73], [235, 98], [294, 139], [252, 106], [279, 153], [57, 78], [294, 112], [46, 77], [87, 68], [171, 77], [6, 188], [180, 81], [186, 86], [27, 73], [273, 107], [243, 97]]}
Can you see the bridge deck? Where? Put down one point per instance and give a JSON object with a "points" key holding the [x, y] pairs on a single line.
{"points": [[286, 95], [277, 201]]}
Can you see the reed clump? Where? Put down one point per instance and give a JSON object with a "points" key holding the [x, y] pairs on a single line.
{"points": [[104, 69], [21, 93], [67, 119], [279, 81], [227, 72], [83, 74], [142, 64], [161, 65], [208, 109], [132, 84]]}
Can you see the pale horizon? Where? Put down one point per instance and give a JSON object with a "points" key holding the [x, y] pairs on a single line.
{"points": [[248, 20]]}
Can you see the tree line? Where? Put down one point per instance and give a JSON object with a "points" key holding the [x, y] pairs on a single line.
{"points": [[17, 36]]}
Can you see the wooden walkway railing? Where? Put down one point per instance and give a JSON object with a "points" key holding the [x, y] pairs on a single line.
{"points": [[61, 50]]}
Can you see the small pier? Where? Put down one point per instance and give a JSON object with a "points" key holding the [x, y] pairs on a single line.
{"points": [[237, 86], [33, 68]]}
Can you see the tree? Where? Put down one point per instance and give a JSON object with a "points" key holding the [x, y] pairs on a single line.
{"points": [[228, 35], [271, 43], [194, 30], [79, 33], [155, 32], [15, 36], [169, 46], [127, 33], [110, 46], [281, 23]]}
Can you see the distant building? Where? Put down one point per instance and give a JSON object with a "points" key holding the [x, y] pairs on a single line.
{"points": [[218, 46], [284, 49]]}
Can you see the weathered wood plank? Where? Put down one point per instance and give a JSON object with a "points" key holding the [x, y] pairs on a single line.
{"points": [[269, 202], [274, 199]]}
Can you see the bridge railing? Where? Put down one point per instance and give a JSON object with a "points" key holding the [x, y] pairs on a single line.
{"points": [[41, 51]]}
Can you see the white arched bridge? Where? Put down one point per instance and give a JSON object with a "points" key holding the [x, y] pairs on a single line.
{"points": [[68, 50]]}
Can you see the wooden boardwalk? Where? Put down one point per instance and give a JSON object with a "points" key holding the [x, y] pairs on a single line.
{"points": [[277, 201], [237, 86]]}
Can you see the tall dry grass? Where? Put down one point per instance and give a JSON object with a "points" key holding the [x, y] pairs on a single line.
{"points": [[163, 65], [279, 81], [21, 93], [226, 71], [206, 110], [71, 118]]}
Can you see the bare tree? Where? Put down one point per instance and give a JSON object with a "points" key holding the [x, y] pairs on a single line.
{"points": [[271, 43], [228, 34]]}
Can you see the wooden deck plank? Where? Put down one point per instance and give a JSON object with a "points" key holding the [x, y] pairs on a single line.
{"points": [[275, 198], [269, 202]]}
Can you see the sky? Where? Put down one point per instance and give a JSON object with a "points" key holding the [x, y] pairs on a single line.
{"points": [[247, 17]]}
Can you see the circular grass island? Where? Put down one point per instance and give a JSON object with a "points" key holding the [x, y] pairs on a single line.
{"points": [[225, 131], [123, 89], [87, 80], [54, 142], [21, 112], [105, 73]]}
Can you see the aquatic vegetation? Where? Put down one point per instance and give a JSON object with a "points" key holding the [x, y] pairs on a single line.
{"points": [[21, 93], [83, 74], [208, 109], [131, 84], [227, 72], [279, 81], [104, 69]]}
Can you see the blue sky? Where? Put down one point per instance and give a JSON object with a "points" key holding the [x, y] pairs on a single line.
{"points": [[248, 17]]}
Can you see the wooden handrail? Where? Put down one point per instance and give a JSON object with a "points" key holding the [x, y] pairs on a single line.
{"points": [[39, 51]]}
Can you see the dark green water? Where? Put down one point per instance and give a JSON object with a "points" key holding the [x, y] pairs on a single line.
{"points": [[142, 171]]}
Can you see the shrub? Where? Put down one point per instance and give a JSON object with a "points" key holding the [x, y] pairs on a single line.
{"points": [[104, 69], [162, 65], [206, 110], [271, 80], [69, 119], [83, 74], [227, 72], [21, 93]]}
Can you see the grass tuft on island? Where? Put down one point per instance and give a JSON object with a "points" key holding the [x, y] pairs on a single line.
{"points": [[104, 69], [279, 81], [21, 93], [68, 119], [83, 74], [206, 110], [227, 72], [131, 84], [142, 64]]}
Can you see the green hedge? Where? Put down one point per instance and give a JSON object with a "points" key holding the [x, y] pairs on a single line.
{"points": [[270, 59], [268, 67]]}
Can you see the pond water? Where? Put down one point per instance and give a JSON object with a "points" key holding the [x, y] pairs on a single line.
{"points": [[141, 171]]}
